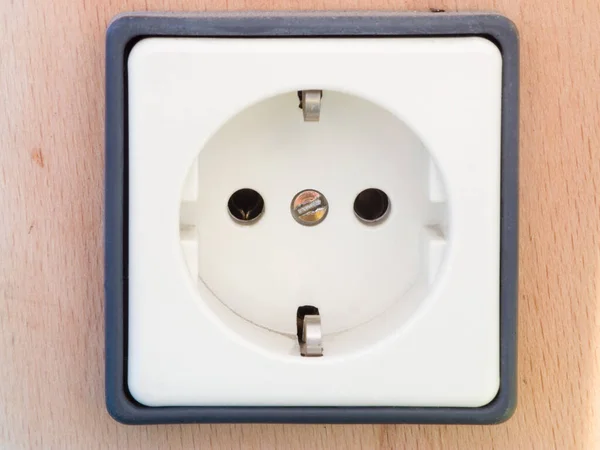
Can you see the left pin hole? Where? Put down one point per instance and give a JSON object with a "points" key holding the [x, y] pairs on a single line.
{"points": [[246, 206]]}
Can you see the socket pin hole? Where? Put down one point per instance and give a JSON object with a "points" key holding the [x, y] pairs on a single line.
{"points": [[371, 206], [246, 206], [306, 310]]}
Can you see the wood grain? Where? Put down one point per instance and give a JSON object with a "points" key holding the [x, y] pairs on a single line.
{"points": [[51, 175]]}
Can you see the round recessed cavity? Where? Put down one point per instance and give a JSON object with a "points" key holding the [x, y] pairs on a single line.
{"points": [[309, 207], [246, 206], [371, 205], [365, 166]]}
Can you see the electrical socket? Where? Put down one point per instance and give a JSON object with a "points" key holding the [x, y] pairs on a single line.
{"points": [[397, 163]]}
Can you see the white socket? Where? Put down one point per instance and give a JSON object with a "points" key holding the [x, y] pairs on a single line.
{"points": [[409, 305]]}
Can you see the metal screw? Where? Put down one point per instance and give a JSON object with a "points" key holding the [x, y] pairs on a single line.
{"points": [[309, 207]]}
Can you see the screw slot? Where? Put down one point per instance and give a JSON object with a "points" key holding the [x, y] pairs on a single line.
{"points": [[371, 206], [246, 206]]}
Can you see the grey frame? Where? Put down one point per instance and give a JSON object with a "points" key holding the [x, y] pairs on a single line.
{"points": [[125, 30]]}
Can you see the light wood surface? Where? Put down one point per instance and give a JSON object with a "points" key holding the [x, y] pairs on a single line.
{"points": [[51, 194]]}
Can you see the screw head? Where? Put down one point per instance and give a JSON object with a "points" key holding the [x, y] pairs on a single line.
{"points": [[309, 207]]}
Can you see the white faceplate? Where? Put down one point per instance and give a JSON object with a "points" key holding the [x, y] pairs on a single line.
{"points": [[410, 307]]}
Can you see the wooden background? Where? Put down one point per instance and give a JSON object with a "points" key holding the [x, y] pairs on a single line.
{"points": [[51, 195]]}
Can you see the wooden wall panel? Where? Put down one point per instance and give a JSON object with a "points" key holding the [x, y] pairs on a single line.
{"points": [[51, 194]]}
